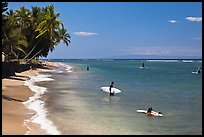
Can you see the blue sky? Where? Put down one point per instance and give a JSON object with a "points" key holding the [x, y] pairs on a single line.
{"points": [[116, 29]]}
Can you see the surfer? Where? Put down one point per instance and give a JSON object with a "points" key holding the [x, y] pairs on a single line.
{"points": [[143, 65], [149, 111], [111, 86], [198, 70]]}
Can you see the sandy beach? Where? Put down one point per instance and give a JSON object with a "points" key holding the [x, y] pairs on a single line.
{"points": [[14, 93]]}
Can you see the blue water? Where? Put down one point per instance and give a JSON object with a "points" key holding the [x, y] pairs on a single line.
{"points": [[77, 106]]}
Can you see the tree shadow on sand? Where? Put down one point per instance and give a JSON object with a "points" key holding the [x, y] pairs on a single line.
{"points": [[11, 99], [16, 78]]}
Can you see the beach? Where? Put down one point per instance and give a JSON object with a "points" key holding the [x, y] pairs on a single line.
{"points": [[63, 75], [14, 93], [66, 99]]}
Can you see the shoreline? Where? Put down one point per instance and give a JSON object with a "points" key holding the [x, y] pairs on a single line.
{"points": [[76, 123], [15, 114]]}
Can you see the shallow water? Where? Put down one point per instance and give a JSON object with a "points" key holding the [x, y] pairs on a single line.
{"points": [[76, 105]]}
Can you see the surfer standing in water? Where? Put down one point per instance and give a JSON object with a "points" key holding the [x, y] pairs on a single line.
{"points": [[199, 70], [143, 65], [111, 86]]}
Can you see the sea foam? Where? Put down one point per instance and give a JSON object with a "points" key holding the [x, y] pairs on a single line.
{"points": [[35, 104], [68, 67], [163, 60], [187, 61]]}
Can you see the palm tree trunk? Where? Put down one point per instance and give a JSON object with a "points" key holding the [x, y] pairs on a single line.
{"points": [[34, 55], [32, 49]]}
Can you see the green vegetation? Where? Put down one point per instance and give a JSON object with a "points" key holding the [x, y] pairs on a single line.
{"points": [[31, 34]]}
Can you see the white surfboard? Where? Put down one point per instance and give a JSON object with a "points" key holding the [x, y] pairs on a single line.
{"points": [[195, 72], [113, 90], [154, 113]]}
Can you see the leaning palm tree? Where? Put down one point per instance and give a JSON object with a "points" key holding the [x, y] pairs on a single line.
{"points": [[34, 18], [44, 31], [48, 30]]}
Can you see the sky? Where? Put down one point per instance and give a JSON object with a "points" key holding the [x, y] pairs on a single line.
{"points": [[127, 29]]}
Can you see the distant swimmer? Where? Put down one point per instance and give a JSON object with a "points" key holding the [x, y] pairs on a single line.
{"points": [[143, 66], [111, 86], [87, 68]]}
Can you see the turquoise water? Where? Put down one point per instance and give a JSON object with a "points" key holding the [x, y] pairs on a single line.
{"points": [[74, 100]]}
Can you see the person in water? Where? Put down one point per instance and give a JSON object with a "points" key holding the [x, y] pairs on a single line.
{"points": [[149, 111], [198, 70], [111, 86], [143, 65]]}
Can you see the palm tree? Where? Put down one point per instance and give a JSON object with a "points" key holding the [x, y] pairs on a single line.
{"points": [[50, 24], [49, 30], [4, 8], [65, 37], [23, 18], [33, 21], [30, 34], [13, 40]]}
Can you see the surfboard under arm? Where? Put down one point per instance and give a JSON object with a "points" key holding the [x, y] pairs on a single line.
{"points": [[113, 90]]}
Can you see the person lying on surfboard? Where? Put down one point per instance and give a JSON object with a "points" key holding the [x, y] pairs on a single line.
{"points": [[149, 111], [111, 86]]}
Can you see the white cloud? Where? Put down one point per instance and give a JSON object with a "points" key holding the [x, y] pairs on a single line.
{"points": [[82, 33], [198, 19], [172, 21]]}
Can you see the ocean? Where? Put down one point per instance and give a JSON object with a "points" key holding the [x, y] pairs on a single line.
{"points": [[73, 103]]}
